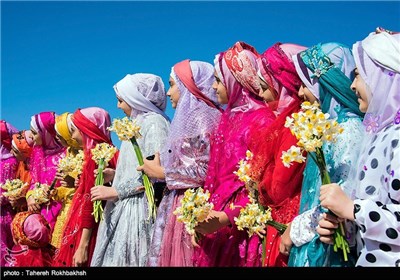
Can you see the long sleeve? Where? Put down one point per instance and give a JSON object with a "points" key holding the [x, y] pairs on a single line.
{"points": [[280, 186], [303, 227], [154, 130], [379, 222], [233, 211], [190, 167], [378, 204]]}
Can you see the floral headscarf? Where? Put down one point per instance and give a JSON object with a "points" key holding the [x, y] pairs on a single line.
{"points": [[327, 70]]}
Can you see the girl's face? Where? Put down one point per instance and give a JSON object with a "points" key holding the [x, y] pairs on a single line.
{"points": [[360, 88], [61, 139], [220, 89], [77, 136], [124, 107], [266, 93], [305, 94], [36, 137], [173, 92]]}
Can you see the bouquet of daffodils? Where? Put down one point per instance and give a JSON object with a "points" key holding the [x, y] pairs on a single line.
{"points": [[40, 193], [254, 217], [312, 128], [128, 130], [194, 208], [15, 188], [71, 165], [101, 154]]}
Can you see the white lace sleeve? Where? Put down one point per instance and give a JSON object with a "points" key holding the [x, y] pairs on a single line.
{"points": [[303, 227]]}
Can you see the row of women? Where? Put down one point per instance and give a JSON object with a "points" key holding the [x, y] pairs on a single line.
{"points": [[240, 103]]}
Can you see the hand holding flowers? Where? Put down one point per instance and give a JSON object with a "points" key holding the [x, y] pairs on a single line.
{"points": [[15, 188], [101, 154], [194, 208], [254, 217], [127, 130], [312, 128]]}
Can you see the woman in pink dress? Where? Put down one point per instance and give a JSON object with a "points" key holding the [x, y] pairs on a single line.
{"points": [[237, 85], [47, 152], [8, 171], [184, 157]]}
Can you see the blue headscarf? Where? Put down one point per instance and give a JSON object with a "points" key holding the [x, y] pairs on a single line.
{"points": [[327, 70]]}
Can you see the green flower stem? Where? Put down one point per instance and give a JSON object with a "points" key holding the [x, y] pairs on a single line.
{"points": [[97, 205], [339, 240], [53, 184], [146, 181], [264, 250], [278, 226]]}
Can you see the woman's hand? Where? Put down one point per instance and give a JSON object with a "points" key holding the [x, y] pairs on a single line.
{"points": [[18, 204], [108, 174], [215, 221], [326, 228], [286, 242], [103, 193], [335, 199], [32, 205], [80, 257], [152, 168]]}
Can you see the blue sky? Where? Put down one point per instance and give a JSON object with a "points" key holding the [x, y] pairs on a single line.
{"points": [[60, 56]]}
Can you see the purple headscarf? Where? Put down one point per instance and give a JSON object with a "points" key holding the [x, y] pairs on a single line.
{"points": [[377, 60], [193, 117]]}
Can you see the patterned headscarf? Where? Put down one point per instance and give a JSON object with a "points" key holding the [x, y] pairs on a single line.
{"points": [[63, 128], [23, 143], [143, 93], [237, 68], [278, 71], [30, 229], [327, 70], [7, 130]]}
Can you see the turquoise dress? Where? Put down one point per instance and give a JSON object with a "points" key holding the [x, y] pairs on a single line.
{"points": [[308, 250]]}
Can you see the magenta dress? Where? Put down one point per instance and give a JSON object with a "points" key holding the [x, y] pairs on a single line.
{"points": [[45, 159], [229, 246], [8, 171]]}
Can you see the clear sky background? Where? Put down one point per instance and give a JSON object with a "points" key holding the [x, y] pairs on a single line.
{"points": [[60, 56]]}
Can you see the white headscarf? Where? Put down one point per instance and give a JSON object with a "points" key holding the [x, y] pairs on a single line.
{"points": [[143, 93]]}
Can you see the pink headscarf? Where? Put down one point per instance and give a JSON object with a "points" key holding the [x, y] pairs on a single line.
{"points": [[7, 130], [278, 71], [37, 229], [43, 123], [237, 69], [197, 114], [30, 229]]}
